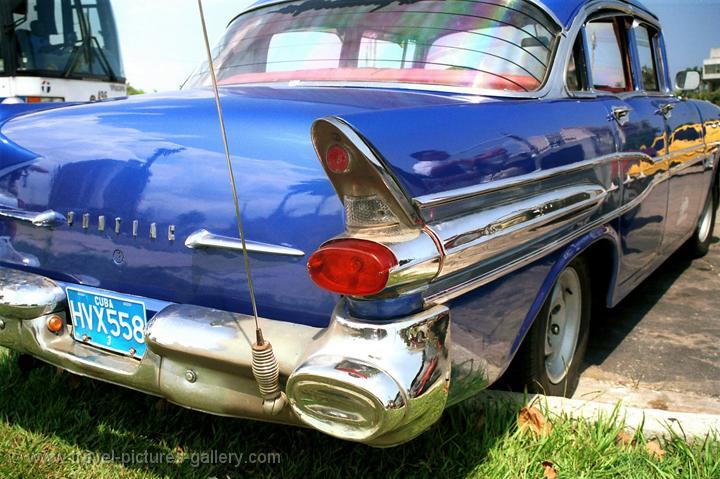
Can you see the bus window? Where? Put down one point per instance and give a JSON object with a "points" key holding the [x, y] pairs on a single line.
{"points": [[67, 38]]}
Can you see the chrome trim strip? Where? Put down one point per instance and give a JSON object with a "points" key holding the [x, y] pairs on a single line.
{"points": [[470, 93], [253, 7], [45, 219], [502, 221], [498, 230], [459, 194], [203, 239], [474, 283]]}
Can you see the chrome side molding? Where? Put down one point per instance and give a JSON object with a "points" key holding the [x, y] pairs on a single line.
{"points": [[457, 195], [45, 219], [203, 239]]}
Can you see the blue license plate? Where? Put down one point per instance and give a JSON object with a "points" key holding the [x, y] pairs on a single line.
{"points": [[108, 321]]}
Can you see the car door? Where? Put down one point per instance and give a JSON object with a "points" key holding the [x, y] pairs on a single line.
{"points": [[690, 175], [684, 133], [641, 134]]}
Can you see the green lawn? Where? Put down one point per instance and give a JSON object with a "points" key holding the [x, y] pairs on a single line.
{"points": [[58, 426]]}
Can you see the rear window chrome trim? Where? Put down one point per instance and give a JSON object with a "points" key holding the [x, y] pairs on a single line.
{"points": [[258, 6]]}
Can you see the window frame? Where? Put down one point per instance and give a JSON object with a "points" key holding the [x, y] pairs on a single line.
{"points": [[547, 85], [629, 40], [619, 23], [654, 35]]}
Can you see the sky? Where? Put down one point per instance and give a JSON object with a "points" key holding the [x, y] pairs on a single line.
{"points": [[162, 43]]}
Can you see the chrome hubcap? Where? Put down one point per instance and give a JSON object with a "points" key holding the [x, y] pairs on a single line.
{"points": [[564, 325], [706, 221]]}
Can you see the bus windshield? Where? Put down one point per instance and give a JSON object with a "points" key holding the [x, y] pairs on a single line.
{"points": [[502, 45], [63, 38]]}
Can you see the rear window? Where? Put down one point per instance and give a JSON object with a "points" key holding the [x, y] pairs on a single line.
{"points": [[503, 45]]}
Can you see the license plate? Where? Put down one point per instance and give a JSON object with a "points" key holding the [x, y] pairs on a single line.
{"points": [[111, 322]]}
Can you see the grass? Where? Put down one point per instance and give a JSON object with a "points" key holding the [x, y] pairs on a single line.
{"points": [[58, 426]]}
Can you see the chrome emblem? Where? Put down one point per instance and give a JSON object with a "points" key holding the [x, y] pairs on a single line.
{"points": [[102, 225], [118, 256]]}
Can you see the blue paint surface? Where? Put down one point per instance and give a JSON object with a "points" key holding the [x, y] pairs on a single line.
{"points": [[158, 159]]}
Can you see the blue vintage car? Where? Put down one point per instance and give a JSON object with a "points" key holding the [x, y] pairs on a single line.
{"points": [[434, 194]]}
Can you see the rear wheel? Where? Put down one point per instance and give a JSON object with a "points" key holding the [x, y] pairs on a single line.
{"points": [[550, 358], [699, 244]]}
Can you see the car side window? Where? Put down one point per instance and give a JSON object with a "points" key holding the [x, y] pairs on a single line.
{"points": [[645, 39], [608, 59]]}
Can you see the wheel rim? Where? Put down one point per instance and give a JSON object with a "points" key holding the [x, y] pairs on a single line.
{"points": [[563, 325], [705, 221]]}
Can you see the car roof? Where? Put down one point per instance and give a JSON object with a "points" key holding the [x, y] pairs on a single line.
{"points": [[564, 10]]}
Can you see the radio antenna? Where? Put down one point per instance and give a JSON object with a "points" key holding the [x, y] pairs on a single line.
{"points": [[264, 364]]}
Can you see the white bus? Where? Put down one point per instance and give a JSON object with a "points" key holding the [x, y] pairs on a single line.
{"points": [[59, 51]]}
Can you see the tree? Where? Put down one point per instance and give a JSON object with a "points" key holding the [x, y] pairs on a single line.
{"points": [[134, 91]]}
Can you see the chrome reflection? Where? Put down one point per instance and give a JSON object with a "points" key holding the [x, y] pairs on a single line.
{"points": [[380, 384], [45, 219], [203, 239], [375, 383], [477, 237]]}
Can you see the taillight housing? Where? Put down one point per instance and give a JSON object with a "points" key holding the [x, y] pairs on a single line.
{"points": [[338, 159], [352, 267], [372, 196]]}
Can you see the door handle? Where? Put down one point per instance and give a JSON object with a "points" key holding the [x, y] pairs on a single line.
{"points": [[621, 114], [45, 219], [666, 110]]}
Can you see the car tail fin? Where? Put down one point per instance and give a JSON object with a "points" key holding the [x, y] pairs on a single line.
{"points": [[371, 195], [379, 216]]}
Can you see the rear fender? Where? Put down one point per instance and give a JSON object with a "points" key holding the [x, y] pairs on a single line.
{"points": [[575, 249]]}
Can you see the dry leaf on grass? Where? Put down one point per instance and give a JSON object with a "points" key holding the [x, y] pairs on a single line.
{"points": [[549, 471], [654, 449], [530, 418], [625, 439]]}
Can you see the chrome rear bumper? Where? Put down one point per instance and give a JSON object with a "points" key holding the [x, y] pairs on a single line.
{"points": [[377, 383]]}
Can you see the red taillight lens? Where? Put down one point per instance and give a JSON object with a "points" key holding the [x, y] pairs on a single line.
{"points": [[338, 159], [352, 267]]}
